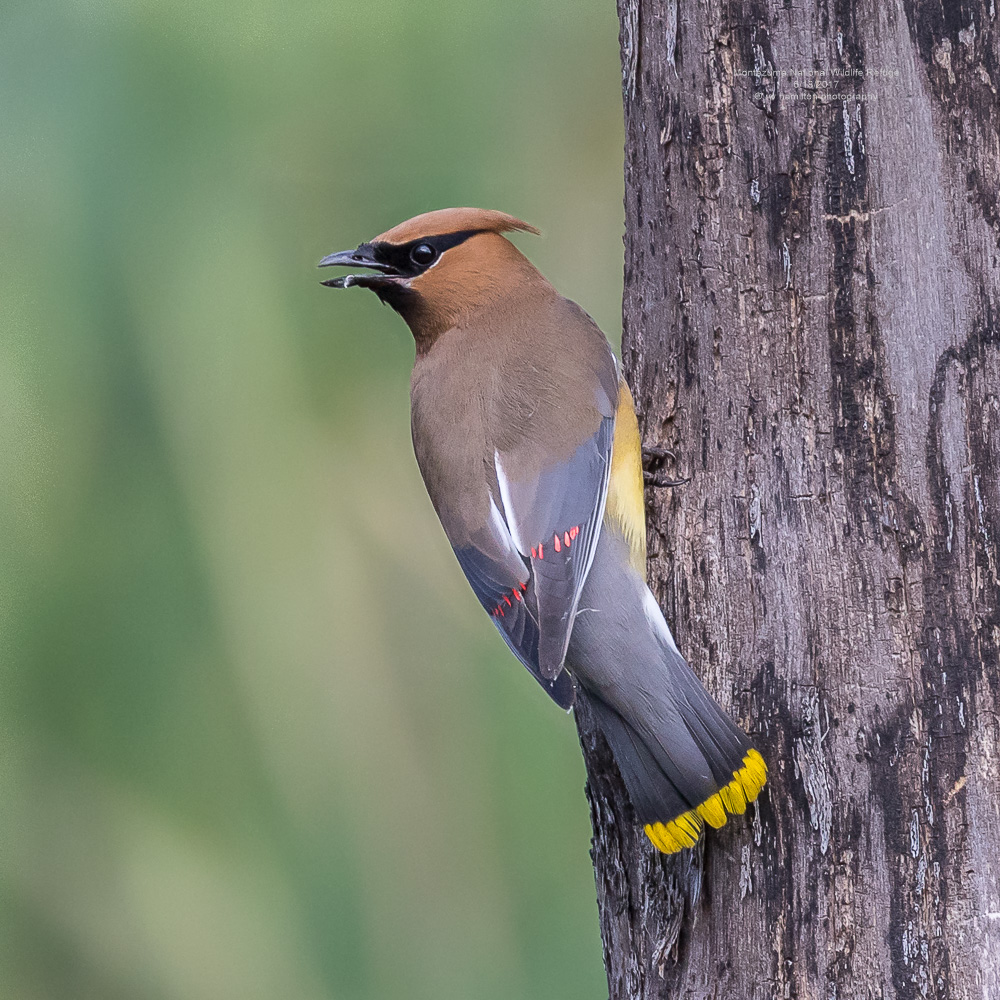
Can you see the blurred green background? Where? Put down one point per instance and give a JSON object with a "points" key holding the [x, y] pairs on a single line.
{"points": [[257, 738]]}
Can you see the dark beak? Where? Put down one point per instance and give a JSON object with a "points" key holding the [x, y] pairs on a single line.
{"points": [[362, 257]]}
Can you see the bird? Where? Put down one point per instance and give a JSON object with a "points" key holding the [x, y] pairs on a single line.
{"points": [[526, 437]]}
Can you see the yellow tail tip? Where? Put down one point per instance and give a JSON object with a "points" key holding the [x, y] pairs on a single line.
{"points": [[679, 833], [684, 830]]}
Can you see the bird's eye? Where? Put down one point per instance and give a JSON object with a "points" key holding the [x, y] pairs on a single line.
{"points": [[423, 254]]}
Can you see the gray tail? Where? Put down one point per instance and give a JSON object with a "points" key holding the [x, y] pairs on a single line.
{"points": [[683, 760]]}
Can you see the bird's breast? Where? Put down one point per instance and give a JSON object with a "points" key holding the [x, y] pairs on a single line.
{"points": [[449, 442]]}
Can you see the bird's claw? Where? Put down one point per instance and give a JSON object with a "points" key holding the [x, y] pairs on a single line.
{"points": [[660, 479]]}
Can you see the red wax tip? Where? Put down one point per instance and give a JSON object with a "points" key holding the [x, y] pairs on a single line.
{"points": [[566, 537], [534, 552], [573, 532], [555, 543]]}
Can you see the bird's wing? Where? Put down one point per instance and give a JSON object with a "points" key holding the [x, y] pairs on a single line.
{"points": [[554, 516], [528, 562], [502, 580]]}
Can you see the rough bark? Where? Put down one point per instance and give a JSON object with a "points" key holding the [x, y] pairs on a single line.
{"points": [[812, 332]]}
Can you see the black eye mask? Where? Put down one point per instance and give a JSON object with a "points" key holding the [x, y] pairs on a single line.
{"points": [[405, 258]]}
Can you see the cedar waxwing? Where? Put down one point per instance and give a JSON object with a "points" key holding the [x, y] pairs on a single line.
{"points": [[527, 441]]}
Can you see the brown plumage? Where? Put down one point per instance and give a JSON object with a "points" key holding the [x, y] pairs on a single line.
{"points": [[525, 436]]}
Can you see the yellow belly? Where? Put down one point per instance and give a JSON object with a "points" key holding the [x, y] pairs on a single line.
{"points": [[626, 508]]}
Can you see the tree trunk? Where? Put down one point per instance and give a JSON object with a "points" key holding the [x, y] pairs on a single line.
{"points": [[812, 332]]}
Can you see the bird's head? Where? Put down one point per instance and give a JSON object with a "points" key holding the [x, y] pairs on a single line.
{"points": [[436, 268]]}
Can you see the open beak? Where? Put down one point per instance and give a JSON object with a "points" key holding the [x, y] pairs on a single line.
{"points": [[362, 257]]}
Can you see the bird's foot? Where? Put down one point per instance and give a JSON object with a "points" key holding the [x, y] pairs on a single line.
{"points": [[653, 474]]}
